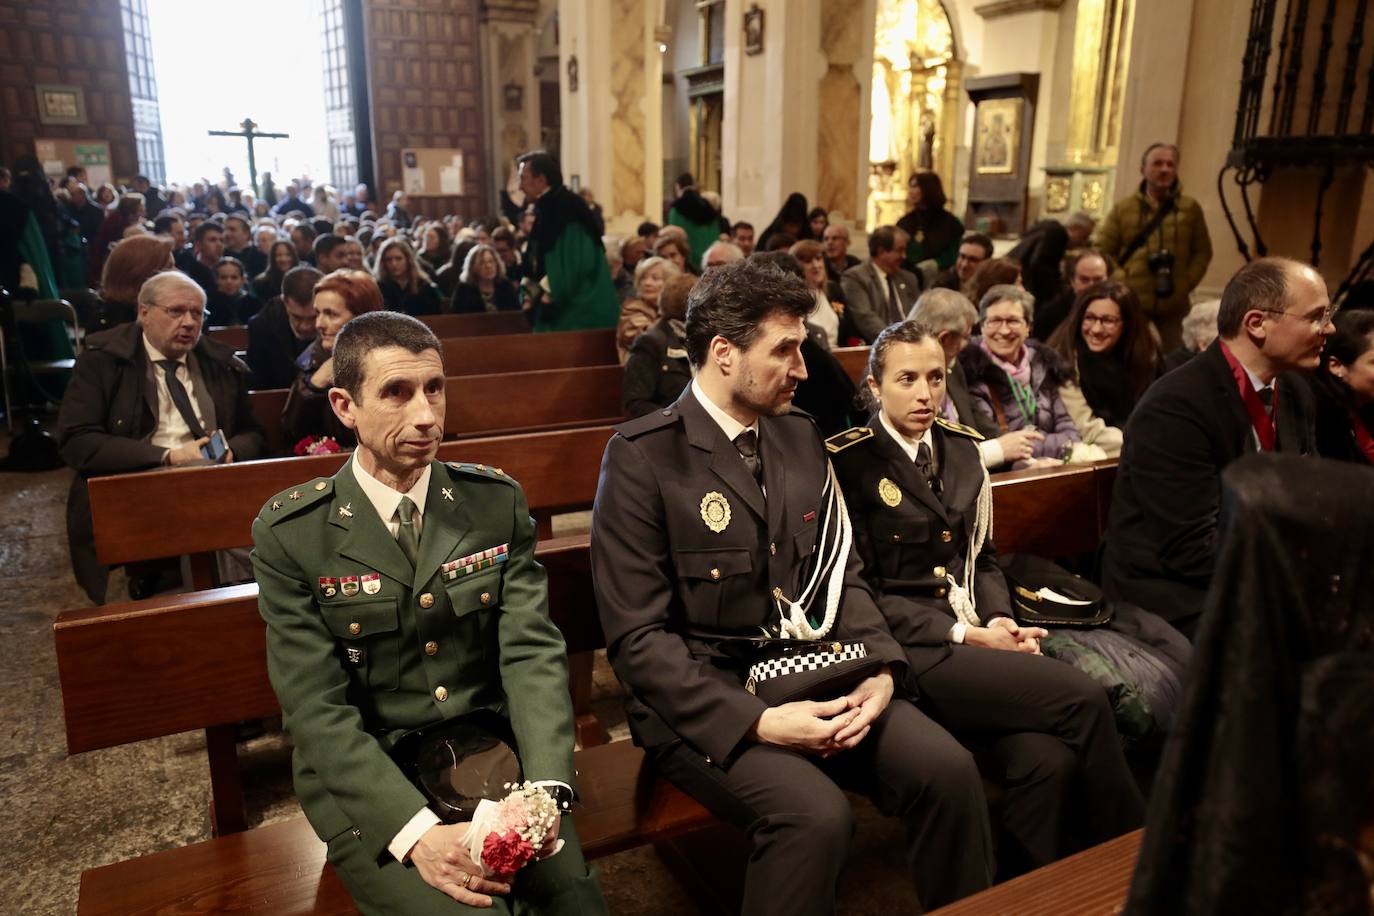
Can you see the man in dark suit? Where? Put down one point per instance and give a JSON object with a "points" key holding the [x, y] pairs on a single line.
{"points": [[880, 293], [1236, 397], [238, 243], [709, 517], [148, 394], [282, 330], [950, 316]]}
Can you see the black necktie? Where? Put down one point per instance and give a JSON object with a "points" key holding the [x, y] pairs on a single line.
{"points": [[180, 399], [748, 444], [894, 309], [406, 537], [1266, 396], [925, 467]]}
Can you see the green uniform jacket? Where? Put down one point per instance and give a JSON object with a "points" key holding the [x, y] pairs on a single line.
{"points": [[580, 285], [1183, 232], [357, 668]]}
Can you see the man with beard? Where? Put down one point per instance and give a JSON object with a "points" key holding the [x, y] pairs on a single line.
{"points": [[568, 281], [714, 520]]}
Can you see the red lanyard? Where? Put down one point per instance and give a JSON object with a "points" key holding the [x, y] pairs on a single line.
{"points": [[1262, 421], [1362, 437]]}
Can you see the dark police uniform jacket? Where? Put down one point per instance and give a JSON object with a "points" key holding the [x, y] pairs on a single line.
{"points": [[357, 663], [910, 539], [662, 573]]}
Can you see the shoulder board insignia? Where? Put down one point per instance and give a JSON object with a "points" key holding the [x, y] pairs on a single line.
{"points": [[480, 470], [656, 419], [841, 441], [289, 502], [959, 429]]}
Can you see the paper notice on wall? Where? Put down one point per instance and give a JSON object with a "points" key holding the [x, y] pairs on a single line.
{"points": [[414, 180], [451, 179]]}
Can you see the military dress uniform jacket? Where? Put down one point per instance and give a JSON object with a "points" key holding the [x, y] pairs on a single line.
{"points": [[910, 539], [684, 542], [357, 663]]}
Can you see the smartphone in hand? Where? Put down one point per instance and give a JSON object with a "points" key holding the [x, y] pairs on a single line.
{"points": [[216, 448]]}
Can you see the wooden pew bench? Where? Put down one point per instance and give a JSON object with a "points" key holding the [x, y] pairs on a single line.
{"points": [[173, 664], [493, 404], [486, 324]]}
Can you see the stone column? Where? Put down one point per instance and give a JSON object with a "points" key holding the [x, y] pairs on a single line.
{"points": [[612, 114], [507, 35], [846, 44]]}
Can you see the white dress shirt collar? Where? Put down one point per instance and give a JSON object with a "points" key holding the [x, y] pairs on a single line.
{"points": [[155, 355], [909, 446], [384, 499], [728, 424]]}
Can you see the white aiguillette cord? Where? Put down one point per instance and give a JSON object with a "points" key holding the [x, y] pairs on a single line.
{"points": [[961, 597], [835, 538]]}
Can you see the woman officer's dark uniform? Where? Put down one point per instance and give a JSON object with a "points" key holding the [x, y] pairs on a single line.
{"points": [[1049, 727]]}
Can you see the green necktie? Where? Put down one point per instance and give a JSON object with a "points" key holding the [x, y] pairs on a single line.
{"points": [[405, 533]]}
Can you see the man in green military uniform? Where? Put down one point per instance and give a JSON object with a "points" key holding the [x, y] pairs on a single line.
{"points": [[569, 277], [401, 593]]}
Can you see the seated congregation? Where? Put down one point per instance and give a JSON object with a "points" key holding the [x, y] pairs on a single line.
{"points": [[792, 554]]}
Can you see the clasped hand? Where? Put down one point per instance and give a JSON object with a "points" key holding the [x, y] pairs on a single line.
{"points": [[1006, 634], [825, 728]]}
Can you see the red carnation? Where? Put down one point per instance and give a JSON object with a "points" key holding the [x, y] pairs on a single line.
{"points": [[506, 853]]}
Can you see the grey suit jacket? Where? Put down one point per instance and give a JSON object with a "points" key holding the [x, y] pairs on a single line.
{"points": [[866, 298]]}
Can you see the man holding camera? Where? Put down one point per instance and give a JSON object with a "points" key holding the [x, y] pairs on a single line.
{"points": [[147, 394], [1158, 239]]}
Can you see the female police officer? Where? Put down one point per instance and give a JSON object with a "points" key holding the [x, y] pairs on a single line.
{"points": [[921, 507]]}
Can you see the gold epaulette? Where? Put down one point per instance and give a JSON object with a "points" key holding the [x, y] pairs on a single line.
{"points": [[841, 441], [960, 429]]}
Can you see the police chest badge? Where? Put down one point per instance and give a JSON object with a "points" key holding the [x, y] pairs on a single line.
{"points": [[715, 511], [889, 493], [348, 585], [372, 583]]}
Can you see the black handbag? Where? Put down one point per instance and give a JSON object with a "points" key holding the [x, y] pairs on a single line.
{"points": [[459, 762]]}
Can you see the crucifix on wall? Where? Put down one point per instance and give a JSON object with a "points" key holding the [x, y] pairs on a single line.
{"points": [[249, 131]]}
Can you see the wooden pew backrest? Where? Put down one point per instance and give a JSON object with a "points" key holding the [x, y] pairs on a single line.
{"points": [[479, 325]]}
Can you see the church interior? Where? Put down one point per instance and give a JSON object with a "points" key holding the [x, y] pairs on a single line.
{"points": [[148, 769]]}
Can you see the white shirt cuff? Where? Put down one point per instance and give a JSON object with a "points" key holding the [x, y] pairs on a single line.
{"points": [[410, 834], [956, 633], [991, 450]]}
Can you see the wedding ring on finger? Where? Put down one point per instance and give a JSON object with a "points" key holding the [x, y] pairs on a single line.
{"points": [[467, 879]]}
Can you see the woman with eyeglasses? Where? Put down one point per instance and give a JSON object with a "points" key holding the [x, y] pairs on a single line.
{"points": [[1111, 357], [1344, 386], [1015, 381]]}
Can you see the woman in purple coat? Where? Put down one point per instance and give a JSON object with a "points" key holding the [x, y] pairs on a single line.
{"points": [[1015, 381]]}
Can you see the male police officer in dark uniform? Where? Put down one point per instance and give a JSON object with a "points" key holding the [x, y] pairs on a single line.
{"points": [[402, 593], [707, 515]]}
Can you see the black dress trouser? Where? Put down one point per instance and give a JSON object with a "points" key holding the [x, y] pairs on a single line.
{"points": [[1050, 728], [800, 823]]}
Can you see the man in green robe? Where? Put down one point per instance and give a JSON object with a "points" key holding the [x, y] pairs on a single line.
{"points": [[569, 282], [399, 594], [697, 218]]}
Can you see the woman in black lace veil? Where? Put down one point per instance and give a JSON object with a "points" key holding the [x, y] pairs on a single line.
{"points": [[1264, 802]]}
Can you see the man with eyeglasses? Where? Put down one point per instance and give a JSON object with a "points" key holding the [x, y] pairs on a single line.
{"points": [[149, 394], [1238, 396]]}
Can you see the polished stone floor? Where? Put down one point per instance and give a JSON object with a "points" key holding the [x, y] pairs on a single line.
{"points": [[62, 814]]}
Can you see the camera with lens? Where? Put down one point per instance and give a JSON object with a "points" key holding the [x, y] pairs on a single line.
{"points": [[1162, 266]]}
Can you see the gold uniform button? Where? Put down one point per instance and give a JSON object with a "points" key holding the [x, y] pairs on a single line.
{"points": [[939, 593], [946, 536], [431, 648], [896, 539], [355, 628], [772, 549], [777, 593], [426, 601], [938, 572], [321, 485], [441, 694], [486, 598], [715, 574]]}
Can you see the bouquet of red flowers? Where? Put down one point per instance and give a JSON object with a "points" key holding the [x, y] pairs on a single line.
{"points": [[505, 836], [316, 445]]}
